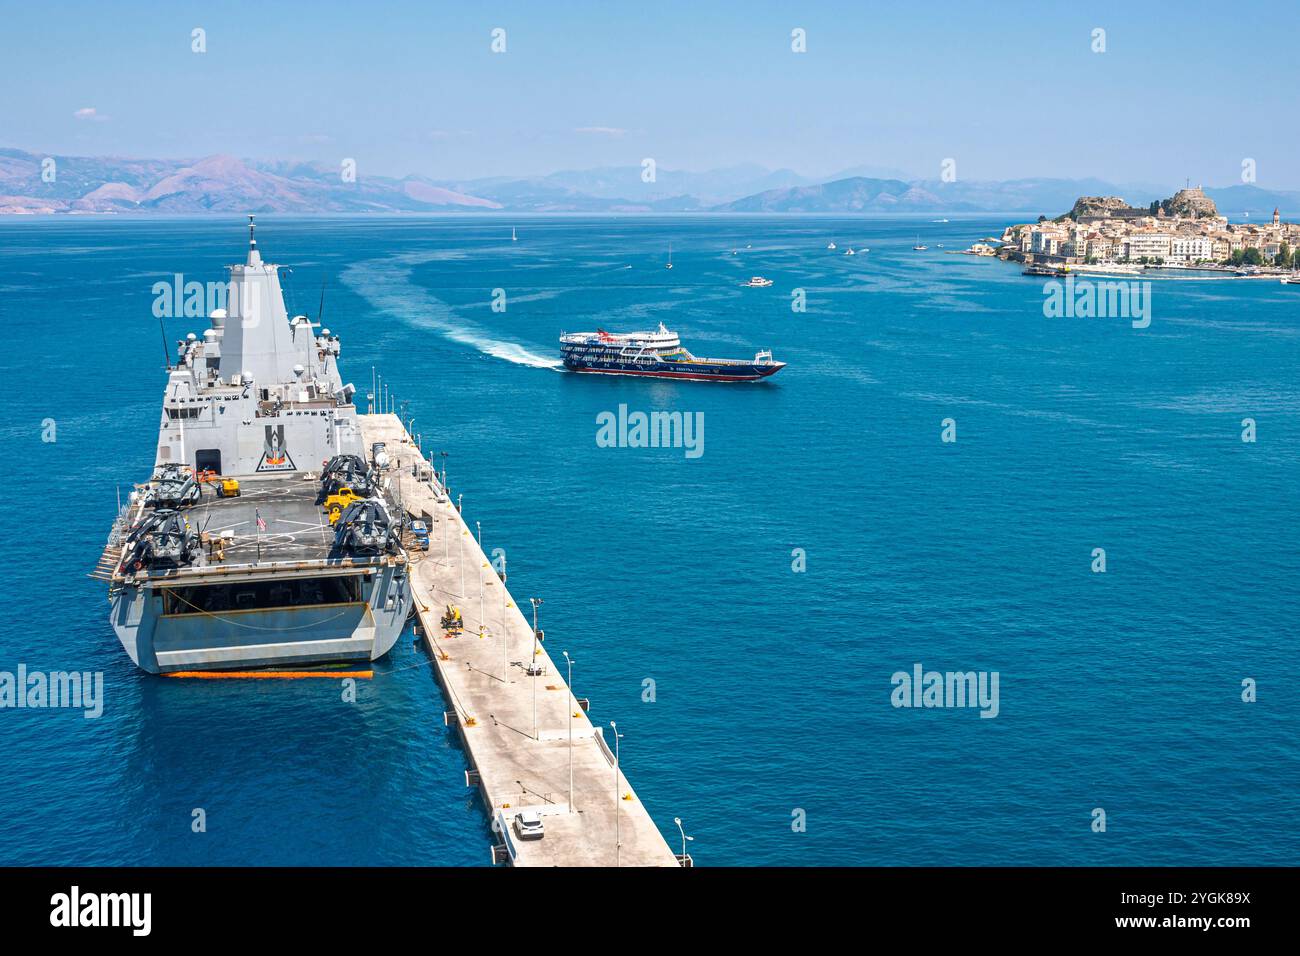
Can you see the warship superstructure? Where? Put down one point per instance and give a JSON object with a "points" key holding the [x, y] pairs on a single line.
{"points": [[266, 536]]}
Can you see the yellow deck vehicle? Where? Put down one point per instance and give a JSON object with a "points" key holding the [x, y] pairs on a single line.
{"points": [[229, 488], [337, 502]]}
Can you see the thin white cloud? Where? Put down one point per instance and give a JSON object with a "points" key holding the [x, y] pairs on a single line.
{"points": [[89, 113], [601, 130]]}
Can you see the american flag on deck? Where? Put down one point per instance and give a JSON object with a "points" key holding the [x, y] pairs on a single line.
{"points": [[261, 524]]}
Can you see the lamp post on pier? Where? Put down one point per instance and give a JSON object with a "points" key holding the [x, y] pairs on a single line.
{"points": [[573, 703], [678, 821], [505, 626], [532, 664], [618, 842]]}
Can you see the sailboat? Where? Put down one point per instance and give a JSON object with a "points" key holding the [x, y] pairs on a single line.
{"points": [[831, 246], [918, 247], [670, 256], [513, 237]]}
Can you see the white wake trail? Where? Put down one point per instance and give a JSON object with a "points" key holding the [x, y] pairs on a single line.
{"points": [[386, 284]]}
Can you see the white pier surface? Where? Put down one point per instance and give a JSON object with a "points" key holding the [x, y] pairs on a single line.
{"points": [[520, 764]]}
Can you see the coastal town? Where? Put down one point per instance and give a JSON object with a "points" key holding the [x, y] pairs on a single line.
{"points": [[1185, 231]]}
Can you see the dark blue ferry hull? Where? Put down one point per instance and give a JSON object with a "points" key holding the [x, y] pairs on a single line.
{"points": [[685, 371]]}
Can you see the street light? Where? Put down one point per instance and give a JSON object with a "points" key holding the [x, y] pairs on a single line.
{"points": [[618, 842], [532, 664], [460, 559], [505, 625], [574, 703], [678, 821], [479, 525]]}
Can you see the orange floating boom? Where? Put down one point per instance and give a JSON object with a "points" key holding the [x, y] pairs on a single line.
{"points": [[269, 675]]}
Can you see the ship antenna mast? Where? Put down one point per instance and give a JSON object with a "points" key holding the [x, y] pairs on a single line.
{"points": [[167, 352], [252, 242]]}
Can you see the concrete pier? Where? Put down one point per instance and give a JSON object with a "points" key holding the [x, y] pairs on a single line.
{"points": [[525, 736]]}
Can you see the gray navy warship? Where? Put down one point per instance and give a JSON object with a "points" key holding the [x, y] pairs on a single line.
{"points": [[266, 536]]}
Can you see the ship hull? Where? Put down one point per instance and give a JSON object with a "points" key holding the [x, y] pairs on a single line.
{"points": [[695, 372], [162, 636]]}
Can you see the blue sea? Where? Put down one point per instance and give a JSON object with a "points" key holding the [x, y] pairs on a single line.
{"points": [[770, 730]]}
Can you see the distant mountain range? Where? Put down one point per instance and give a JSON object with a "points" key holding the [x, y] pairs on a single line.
{"points": [[224, 184]]}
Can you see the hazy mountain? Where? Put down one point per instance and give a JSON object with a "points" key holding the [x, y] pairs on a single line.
{"points": [[552, 194], [864, 194], [612, 187], [856, 194], [89, 184], [867, 172], [213, 184], [1236, 201]]}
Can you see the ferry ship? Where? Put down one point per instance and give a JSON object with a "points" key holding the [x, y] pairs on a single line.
{"points": [[657, 354], [1044, 270], [266, 535]]}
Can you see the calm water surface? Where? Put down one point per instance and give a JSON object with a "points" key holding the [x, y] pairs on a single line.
{"points": [[772, 688]]}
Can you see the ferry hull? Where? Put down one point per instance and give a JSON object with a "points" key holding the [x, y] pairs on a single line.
{"points": [[739, 372]]}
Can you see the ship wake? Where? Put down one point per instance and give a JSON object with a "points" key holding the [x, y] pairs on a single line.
{"points": [[386, 284]]}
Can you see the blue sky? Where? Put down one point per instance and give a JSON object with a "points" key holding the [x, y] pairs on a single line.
{"points": [[1007, 90]]}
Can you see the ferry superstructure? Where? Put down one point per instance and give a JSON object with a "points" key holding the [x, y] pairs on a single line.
{"points": [[265, 536], [657, 354]]}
